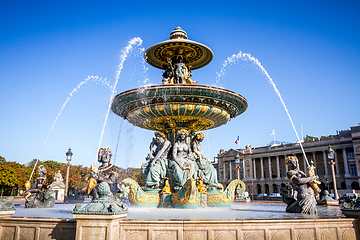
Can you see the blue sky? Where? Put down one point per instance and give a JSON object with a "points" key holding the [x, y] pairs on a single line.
{"points": [[310, 49]]}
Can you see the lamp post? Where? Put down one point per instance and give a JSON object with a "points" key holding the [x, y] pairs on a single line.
{"points": [[68, 159], [331, 154], [237, 162]]}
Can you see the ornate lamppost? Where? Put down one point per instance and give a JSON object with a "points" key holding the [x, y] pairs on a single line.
{"points": [[331, 154], [237, 162], [68, 159]]}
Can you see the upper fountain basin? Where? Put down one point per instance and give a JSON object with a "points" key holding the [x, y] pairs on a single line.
{"points": [[169, 107]]}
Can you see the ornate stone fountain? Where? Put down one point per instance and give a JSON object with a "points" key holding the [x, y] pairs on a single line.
{"points": [[177, 106]]}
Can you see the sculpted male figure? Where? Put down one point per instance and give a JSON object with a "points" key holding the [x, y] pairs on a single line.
{"points": [[154, 171], [305, 202]]}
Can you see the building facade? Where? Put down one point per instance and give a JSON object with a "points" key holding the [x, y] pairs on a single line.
{"points": [[263, 169]]}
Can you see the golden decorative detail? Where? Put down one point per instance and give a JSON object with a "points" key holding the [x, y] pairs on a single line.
{"points": [[159, 107], [228, 195], [188, 194], [195, 117], [313, 183], [201, 188], [166, 189], [146, 109], [137, 195]]}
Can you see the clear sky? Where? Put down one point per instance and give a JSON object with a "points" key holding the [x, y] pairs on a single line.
{"points": [[311, 50]]}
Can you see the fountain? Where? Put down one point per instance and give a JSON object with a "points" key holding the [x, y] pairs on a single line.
{"points": [[177, 106], [177, 110]]}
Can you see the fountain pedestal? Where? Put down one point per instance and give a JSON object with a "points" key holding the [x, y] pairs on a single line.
{"points": [[96, 227]]}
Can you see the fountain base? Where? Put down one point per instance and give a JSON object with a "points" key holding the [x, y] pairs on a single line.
{"points": [[187, 197]]}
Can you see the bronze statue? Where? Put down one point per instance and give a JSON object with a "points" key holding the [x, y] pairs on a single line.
{"points": [[304, 201], [177, 73], [107, 172], [155, 170], [182, 166], [206, 170], [34, 196]]}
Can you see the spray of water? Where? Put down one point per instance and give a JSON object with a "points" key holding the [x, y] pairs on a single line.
{"points": [[92, 78], [123, 56], [118, 140], [248, 57]]}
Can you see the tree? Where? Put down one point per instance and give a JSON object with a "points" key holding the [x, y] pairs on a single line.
{"points": [[2, 160]]}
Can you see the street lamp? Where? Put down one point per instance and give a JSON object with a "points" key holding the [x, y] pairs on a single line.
{"points": [[237, 162], [68, 159], [331, 155]]}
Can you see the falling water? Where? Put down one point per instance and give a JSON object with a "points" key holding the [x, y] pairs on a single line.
{"points": [[93, 78], [248, 57], [118, 140], [123, 56]]}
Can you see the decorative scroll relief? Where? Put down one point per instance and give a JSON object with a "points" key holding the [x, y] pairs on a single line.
{"points": [[192, 116]]}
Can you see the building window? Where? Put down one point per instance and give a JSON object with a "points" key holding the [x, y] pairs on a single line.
{"points": [[351, 155], [241, 175], [235, 174], [353, 170], [280, 173]]}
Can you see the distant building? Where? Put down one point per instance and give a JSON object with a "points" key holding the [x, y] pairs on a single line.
{"points": [[265, 167]]}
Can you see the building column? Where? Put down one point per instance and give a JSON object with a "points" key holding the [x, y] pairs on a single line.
{"points": [[346, 166], [278, 167], [224, 171], [230, 169], [269, 164], [262, 168], [336, 164], [254, 164], [314, 158], [325, 163], [243, 170]]}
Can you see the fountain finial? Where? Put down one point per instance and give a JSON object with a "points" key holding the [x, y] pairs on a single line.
{"points": [[178, 33]]}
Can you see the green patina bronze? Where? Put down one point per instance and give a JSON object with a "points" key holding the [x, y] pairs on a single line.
{"points": [[6, 206], [104, 205], [177, 174], [168, 108]]}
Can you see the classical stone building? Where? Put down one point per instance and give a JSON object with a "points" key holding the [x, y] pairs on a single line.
{"points": [[263, 169]]}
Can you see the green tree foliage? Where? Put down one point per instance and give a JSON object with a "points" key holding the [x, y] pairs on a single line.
{"points": [[14, 175]]}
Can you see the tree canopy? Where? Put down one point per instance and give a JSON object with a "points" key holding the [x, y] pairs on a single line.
{"points": [[13, 175]]}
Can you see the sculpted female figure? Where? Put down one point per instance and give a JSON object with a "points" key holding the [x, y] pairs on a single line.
{"points": [[205, 169], [154, 171], [182, 167], [105, 173], [305, 202]]}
